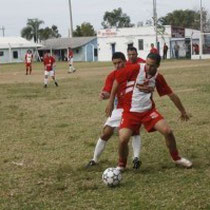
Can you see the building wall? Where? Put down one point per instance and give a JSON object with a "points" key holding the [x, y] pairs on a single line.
{"points": [[9, 55], [123, 37]]}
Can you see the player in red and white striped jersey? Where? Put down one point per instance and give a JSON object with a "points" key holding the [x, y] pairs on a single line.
{"points": [[139, 108], [28, 61]]}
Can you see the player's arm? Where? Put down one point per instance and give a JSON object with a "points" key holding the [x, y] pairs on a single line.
{"points": [[164, 89], [177, 102], [110, 105]]}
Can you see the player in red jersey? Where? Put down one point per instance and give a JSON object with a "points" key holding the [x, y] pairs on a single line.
{"points": [[114, 120], [133, 56], [28, 61], [139, 108], [153, 49], [71, 59], [49, 65]]}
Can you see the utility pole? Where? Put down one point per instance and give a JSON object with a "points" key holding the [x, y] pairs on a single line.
{"points": [[155, 22], [201, 30], [3, 29], [71, 21]]}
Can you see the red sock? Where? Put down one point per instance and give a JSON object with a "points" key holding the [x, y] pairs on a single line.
{"points": [[175, 155]]}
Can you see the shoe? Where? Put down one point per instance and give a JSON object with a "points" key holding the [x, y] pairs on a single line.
{"points": [[136, 163], [56, 84], [120, 168], [45, 86], [91, 163], [184, 162]]}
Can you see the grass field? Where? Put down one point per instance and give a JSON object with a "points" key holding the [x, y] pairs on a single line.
{"points": [[48, 136]]}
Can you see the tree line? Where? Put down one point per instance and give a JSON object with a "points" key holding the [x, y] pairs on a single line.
{"points": [[117, 19]]}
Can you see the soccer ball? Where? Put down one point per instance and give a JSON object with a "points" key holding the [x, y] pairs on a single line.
{"points": [[111, 177]]}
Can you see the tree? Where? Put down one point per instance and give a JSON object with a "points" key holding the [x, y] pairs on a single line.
{"points": [[86, 29], [31, 31], [47, 33], [185, 18], [117, 19]]}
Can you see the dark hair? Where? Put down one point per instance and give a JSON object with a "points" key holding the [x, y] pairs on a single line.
{"points": [[118, 55], [154, 56], [132, 49]]}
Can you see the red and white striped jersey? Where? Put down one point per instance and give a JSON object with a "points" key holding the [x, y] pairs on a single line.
{"points": [[28, 58]]}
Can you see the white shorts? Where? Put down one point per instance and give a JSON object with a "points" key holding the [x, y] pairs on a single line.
{"points": [[49, 73], [114, 120]]}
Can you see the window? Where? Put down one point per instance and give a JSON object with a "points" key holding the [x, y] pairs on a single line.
{"points": [[141, 44], [1, 53], [15, 54], [95, 52]]}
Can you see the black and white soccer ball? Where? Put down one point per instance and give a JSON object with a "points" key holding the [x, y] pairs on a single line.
{"points": [[111, 177]]}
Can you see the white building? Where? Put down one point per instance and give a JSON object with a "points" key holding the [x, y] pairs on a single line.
{"points": [[13, 49], [113, 40]]}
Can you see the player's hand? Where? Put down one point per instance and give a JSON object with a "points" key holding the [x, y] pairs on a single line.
{"points": [[145, 88], [104, 95], [109, 109], [185, 116]]}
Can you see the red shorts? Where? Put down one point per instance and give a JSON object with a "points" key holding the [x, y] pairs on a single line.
{"points": [[28, 64], [133, 120]]}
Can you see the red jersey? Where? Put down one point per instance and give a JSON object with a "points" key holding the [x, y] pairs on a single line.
{"points": [[71, 54], [48, 62], [108, 88], [139, 60], [154, 50], [135, 100]]}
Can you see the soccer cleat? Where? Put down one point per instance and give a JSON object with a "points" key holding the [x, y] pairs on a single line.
{"points": [[56, 84], [136, 163], [91, 163], [184, 162], [45, 86]]}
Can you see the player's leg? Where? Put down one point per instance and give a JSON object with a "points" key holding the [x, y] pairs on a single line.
{"points": [[30, 69], [163, 127], [46, 73], [26, 69], [52, 74], [111, 123], [124, 136], [136, 145]]}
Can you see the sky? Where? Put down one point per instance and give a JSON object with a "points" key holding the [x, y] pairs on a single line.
{"points": [[14, 13]]}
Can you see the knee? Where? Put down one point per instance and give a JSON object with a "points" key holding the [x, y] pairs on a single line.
{"points": [[167, 131]]}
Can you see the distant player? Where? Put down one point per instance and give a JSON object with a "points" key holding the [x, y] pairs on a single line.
{"points": [[28, 62], [49, 65], [71, 60], [153, 49]]}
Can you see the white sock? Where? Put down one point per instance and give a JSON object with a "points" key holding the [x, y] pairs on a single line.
{"points": [[45, 81], [100, 146], [136, 144]]}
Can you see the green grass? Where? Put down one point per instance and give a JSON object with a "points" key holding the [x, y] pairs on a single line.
{"points": [[48, 136]]}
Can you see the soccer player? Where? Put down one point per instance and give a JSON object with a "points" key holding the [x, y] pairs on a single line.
{"points": [[133, 56], [153, 49], [28, 61], [114, 120], [49, 65], [71, 59], [139, 108]]}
